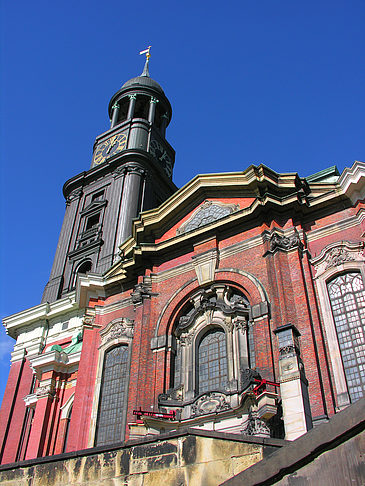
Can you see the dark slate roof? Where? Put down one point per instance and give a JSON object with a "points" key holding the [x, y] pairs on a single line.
{"points": [[143, 81]]}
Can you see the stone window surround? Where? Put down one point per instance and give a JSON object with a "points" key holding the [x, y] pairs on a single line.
{"points": [[325, 273], [235, 327], [118, 332]]}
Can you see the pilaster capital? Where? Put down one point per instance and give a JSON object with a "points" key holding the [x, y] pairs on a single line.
{"points": [[135, 169]]}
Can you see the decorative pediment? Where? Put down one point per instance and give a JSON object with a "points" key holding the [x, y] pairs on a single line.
{"points": [[117, 330], [338, 254], [207, 213]]}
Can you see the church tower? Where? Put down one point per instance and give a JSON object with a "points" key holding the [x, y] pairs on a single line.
{"points": [[131, 171]]}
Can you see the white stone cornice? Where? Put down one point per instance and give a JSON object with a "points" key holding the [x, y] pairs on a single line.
{"points": [[55, 361], [90, 285], [352, 181], [40, 312]]}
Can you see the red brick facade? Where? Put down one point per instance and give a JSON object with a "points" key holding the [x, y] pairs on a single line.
{"points": [[270, 249]]}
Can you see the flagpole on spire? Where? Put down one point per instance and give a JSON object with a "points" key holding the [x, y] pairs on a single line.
{"points": [[148, 55]]}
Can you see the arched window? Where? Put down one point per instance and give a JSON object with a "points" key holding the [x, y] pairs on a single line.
{"points": [[212, 371], [347, 297], [111, 416], [84, 267]]}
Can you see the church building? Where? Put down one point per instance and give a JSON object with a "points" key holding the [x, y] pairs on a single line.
{"points": [[233, 307]]}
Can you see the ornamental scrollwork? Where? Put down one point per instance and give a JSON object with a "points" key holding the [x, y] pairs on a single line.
{"points": [[75, 194], [337, 256], [207, 213], [286, 243], [255, 426], [45, 391], [208, 301], [210, 403], [119, 329]]}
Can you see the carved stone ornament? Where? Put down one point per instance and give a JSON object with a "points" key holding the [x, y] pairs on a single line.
{"points": [[337, 254], [172, 394], [286, 243], [217, 298], [207, 213], [89, 317], [141, 291], [288, 350], [45, 391], [186, 339], [118, 329], [212, 402], [248, 377], [255, 426], [75, 194]]}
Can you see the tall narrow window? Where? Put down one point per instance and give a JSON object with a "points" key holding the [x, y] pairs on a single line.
{"points": [[112, 399], [67, 429], [212, 361], [347, 296]]}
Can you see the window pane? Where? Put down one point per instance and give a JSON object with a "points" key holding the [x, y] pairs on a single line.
{"points": [[347, 296], [212, 361], [112, 398]]}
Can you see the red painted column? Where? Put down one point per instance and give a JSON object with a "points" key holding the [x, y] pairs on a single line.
{"points": [[263, 352], [135, 393], [84, 392], [13, 409], [304, 324], [39, 428]]}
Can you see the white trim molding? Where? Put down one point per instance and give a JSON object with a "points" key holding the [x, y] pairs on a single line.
{"points": [[352, 181], [333, 260]]}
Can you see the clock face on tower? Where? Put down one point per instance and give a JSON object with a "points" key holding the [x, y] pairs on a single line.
{"points": [[109, 147], [159, 152]]}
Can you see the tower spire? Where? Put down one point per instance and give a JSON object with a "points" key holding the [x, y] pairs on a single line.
{"points": [[148, 55]]}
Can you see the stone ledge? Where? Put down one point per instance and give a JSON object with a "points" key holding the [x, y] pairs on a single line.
{"points": [[341, 427], [148, 440]]}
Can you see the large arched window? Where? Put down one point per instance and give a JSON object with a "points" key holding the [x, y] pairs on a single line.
{"points": [[347, 297], [212, 373], [111, 416]]}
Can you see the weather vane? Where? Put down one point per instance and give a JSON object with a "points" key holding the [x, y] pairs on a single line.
{"points": [[147, 52], [148, 55]]}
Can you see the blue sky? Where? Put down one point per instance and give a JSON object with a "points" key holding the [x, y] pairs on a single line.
{"points": [[279, 83]]}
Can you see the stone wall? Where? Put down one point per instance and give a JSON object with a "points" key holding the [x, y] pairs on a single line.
{"points": [[186, 458], [330, 454]]}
